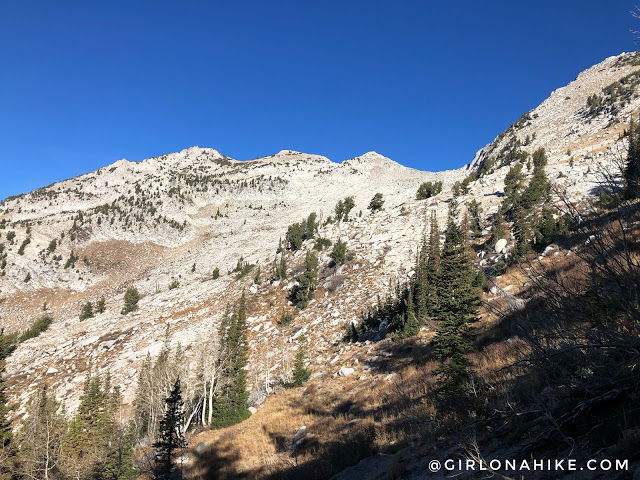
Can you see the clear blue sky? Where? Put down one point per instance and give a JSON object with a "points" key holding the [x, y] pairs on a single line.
{"points": [[426, 83]]}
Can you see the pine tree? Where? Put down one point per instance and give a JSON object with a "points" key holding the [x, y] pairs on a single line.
{"points": [[457, 309], [171, 441], [101, 305], [92, 439], [411, 324], [300, 374], [420, 281], [632, 168], [7, 345], [376, 203], [432, 266], [307, 282], [87, 311], [40, 438], [6, 434], [230, 406], [339, 252], [131, 298], [474, 209]]}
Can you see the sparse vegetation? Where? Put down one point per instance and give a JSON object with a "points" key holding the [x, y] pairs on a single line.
{"points": [[428, 190], [42, 324], [376, 203], [131, 298]]}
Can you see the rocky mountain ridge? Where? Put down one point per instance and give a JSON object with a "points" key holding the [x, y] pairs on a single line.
{"points": [[179, 216]]}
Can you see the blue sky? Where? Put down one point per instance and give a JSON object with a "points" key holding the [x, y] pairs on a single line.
{"points": [[426, 83]]}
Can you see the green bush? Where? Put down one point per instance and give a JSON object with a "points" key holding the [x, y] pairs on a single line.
{"points": [[216, 273], [174, 284], [322, 243]]}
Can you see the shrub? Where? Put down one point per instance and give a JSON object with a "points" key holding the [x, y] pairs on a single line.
{"points": [[24, 244], [216, 273], [174, 284], [322, 243], [286, 318]]}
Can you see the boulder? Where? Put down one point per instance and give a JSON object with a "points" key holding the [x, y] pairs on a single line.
{"points": [[500, 246], [256, 398], [346, 371], [253, 410]]}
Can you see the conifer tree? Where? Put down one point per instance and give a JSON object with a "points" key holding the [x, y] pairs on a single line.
{"points": [[7, 344], [307, 282], [474, 209], [376, 203], [411, 324], [87, 311], [339, 252], [433, 265], [171, 441], [230, 406], [101, 305], [300, 374], [632, 167], [420, 281], [457, 309], [92, 443], [40, 438], [6, 434], [131, 298]]}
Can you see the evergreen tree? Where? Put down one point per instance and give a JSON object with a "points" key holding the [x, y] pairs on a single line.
{"points": [[91, 444], [230, 407], [539, 187], [457, 309], [300, 374], [101, 305], [343, 207], [87, 311], [7, 345], [294, 236], [497, 230], [311, 226], [6, 434], [376, 203], [428, 190], [40, 438], [411, 324], [513, 185], [339, 252], [307, 282], [131, 298], [432, 266], [474, 209], [420, 281], [171, 441], [280, 267], [632, 168]]}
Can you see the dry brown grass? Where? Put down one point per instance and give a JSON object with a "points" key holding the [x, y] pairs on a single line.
{"points": [[347, 419]]}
